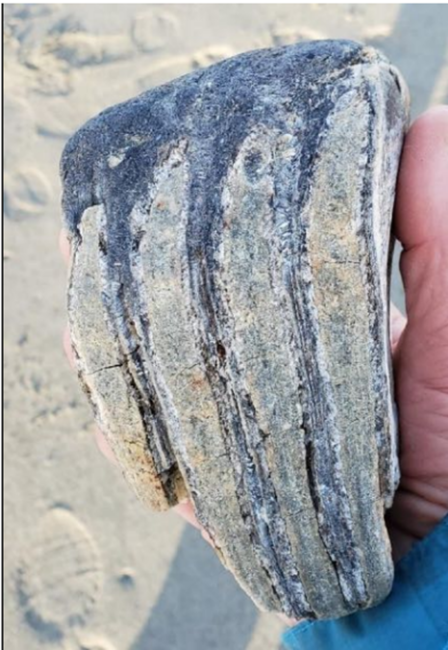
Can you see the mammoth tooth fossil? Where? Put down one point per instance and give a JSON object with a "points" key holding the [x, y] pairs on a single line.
{"points": [[228, 304]]}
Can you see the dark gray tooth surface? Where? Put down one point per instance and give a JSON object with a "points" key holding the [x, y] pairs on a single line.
{"points": [[228, 304]]}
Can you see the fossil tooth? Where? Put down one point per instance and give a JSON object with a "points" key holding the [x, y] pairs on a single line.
{"points": [[228, 304]]}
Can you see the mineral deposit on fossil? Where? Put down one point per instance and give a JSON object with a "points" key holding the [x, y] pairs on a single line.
{"points": [[228, 305]]}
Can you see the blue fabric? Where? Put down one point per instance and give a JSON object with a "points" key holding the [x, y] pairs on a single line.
{"points": [[413, 617]]}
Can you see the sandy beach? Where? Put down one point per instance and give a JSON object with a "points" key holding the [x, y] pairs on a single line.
{"points": [[86, 566]]}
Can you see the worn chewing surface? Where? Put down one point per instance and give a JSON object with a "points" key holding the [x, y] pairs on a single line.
{"points": [[228, 305]]}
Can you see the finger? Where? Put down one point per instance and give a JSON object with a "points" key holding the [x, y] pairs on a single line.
{"points": [[64, 245], [422, 190], [104, 446], [186, 511], [421, 220], [397, 325], [421, 224], [67, 345], [413, 514]]}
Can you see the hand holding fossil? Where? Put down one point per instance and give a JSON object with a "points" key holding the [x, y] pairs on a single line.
{"points": [[245, 363]]}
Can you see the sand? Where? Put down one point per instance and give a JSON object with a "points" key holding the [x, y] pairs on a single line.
{"points": [[86, 566]]}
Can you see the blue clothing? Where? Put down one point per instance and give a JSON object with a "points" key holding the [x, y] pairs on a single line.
{"points": [[413, 617]]}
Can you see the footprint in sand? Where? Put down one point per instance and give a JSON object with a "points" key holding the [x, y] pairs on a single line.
{"points": [[50, 76], [27, 193], [21, 132], [153, 30], [174, 67], [60, 576], [78, 49]]}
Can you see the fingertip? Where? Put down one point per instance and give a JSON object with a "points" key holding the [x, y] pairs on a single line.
{"points": [[186, 511], [206, 537], [422, 187], [104, 446], [433, 117], [67, 346], [64, 245], [397, 325]]}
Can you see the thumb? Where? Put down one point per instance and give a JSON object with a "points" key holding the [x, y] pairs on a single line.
{"points": [[421, 366]]}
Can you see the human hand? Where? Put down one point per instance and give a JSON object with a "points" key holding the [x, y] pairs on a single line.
{"points": [[419, 344]]}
